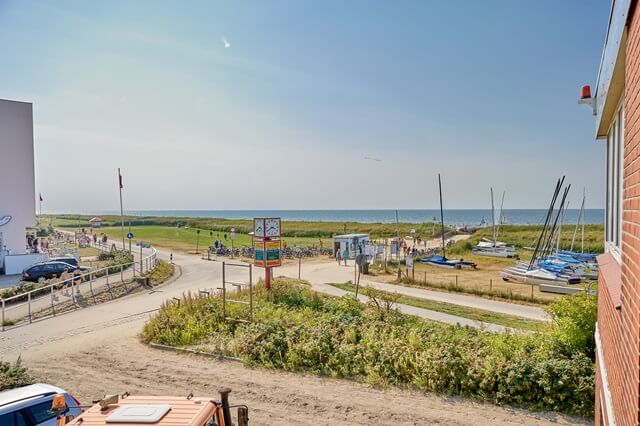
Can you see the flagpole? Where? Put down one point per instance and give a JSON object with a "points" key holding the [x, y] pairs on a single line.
{"points": [[121, 210]]}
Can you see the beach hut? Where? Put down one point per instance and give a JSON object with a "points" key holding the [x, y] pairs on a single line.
{"points": [[95, 222], [354, 243]]}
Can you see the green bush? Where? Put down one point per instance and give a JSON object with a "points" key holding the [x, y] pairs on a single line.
{"points": [[13, 375], [574, 323], [296, 329]]}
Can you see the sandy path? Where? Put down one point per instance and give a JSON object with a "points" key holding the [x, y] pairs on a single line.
{"points": [[113, 360]]}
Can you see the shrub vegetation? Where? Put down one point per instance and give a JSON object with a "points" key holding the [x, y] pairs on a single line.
{"points": [[13, 375], [296, 329]]}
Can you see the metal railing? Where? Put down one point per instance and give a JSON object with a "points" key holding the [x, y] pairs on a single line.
{"points": [[42, 301]]}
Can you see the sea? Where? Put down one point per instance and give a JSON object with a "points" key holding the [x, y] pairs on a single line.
{"points": [[453, 217]]}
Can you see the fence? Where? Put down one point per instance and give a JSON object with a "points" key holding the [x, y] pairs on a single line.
{"points": [[71, 292]]}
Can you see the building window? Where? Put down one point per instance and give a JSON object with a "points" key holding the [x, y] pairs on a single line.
{"points": [[615, 156]]}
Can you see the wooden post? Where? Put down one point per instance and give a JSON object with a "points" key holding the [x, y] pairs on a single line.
{"points": [[456, 281], [490, 285], [425, 277], [224, 293], [299, 266]]}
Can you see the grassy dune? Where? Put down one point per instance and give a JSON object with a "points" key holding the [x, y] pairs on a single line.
{"points": [[290, 228], [527, 236], [164, 231]]}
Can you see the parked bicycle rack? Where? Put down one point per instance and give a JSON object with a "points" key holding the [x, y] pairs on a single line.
{"points": [[238, 287]]}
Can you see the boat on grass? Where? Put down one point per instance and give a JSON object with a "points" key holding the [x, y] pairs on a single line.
{"points": [[443, 261]]}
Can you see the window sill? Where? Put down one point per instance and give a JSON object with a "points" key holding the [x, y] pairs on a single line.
{"points": [[610, 277], [614, 251]]}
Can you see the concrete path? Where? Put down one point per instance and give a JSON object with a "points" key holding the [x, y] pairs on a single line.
{"points": [[331, 272], [420, 312]]}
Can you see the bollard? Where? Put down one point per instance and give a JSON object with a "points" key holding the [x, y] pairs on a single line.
{"points": [[3, 314], [122, 273], [299, 266], [29, 297], [425, 277], [53, 311], [91, 286], [456, 281], [490, 285]]}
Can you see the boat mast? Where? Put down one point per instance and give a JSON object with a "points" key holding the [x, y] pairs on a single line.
{"points": [[563, 210], [500, 215], [575, 231], [584, 197], [444, 255], [541, 239], [493, 220]]}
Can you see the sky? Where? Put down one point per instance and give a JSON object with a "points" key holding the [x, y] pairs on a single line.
{"points": [[483, 92]]}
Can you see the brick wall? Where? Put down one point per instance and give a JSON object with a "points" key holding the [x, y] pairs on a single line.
{"points": [[612, 338], [630, 296], [620, 329]]}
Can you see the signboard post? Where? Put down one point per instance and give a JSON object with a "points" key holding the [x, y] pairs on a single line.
{"points": [[267, 245], [130, 236]]}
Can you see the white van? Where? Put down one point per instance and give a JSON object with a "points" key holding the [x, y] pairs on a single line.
{"points": [[31, 405]]}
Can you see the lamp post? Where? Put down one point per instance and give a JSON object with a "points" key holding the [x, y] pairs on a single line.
{"points": [[197, 240]]}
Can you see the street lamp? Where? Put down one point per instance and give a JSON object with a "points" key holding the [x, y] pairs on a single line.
{"points": [[197, 239]]}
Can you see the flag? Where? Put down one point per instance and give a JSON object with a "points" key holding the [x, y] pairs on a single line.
{"points": [[40, 194], [120, 179]]}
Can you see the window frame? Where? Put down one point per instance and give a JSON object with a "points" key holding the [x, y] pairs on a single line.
{"points": [[614, 168]]}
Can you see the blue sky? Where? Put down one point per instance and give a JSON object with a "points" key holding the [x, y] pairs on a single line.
{"points": [[483, 92]]}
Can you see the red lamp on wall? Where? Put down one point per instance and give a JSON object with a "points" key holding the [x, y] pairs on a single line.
{"points": [[586, 98]]}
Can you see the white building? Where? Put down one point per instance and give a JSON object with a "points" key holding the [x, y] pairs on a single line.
{"points": [[17, 190], [354, 243]]}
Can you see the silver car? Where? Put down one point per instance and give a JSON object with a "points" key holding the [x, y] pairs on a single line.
{"points": [[31, 405]]}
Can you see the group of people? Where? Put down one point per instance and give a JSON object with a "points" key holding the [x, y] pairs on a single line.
{"points": [[342, 256]]}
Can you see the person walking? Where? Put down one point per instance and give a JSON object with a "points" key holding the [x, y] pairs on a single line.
{"points": [[345, 256], [338, 255]]}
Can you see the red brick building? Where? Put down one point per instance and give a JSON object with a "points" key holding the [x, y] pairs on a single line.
{"points": [[617, 109]]}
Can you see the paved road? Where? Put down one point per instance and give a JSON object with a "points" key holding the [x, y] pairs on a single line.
{"points": [[21, 310], [196, 274], [331, 272]]}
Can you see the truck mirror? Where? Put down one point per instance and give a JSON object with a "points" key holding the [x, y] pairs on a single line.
{"points": [[243, 416]]}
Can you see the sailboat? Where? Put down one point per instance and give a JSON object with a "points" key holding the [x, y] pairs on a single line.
{"points": [[543, 269], [442, 261], [494, 247]]}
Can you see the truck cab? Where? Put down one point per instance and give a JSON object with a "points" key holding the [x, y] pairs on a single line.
{"points": [[130, 410]]}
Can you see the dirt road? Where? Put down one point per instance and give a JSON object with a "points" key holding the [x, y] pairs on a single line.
{"points": [[113, 360], [95, 351]]}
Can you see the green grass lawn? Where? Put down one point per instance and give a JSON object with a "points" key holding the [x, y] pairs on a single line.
{"points": [[461, 311], [184, 239]]}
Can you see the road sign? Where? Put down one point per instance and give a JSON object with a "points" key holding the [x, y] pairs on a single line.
{"points": [[267, 253], [129, 235]]}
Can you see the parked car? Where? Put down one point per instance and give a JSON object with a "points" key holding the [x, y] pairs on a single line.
{"points": [[48, 270], [31, 405], [66, 259], [144, 244]]}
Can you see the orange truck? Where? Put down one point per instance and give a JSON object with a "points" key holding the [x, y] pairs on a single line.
{"points": [[129, 410]]}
